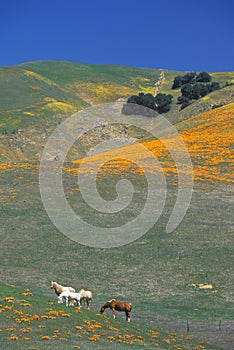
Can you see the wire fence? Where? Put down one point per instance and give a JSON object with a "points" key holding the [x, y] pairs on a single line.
{"points": [[219, 332]]}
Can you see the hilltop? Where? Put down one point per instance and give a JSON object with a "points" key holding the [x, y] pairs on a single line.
{"points": [[37, 96]]}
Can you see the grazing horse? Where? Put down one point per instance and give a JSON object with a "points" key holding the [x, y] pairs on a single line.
{"points": [[116, 305], [69, 297], [59, 289], [86, 297]]}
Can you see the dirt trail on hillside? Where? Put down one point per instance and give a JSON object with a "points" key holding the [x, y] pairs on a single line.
{"points": [[158, 84]]}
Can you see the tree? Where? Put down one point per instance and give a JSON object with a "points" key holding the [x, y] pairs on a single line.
{"points": [[181, 80], [190, 92], [203, 77], [146, 100], [198, 90], [161, 104], [135, 103]]}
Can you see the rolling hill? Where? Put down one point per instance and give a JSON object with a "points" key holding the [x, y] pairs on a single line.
{"points": [[38, 95], [165, 276]]}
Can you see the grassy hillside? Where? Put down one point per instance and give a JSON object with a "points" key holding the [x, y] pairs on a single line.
{"points": [[160, 274], [30, 108], [165, 276], [97, 83], [21, 88], [33, 321], [208, 137], [36, 96]]}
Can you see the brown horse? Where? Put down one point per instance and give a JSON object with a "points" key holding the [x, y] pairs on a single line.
{"points": [[116, 305], [59, 289]]}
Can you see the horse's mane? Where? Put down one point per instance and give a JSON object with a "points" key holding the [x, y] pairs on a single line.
{"points": [[82, 291], [111, 300], [57, 287], [107, 304], [56, 284]]}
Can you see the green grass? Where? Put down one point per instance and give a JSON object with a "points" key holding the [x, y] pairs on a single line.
{"points": [[33, 321], [21, 89], [27, 97], [97, 83], [155, 273], [68, 73]]}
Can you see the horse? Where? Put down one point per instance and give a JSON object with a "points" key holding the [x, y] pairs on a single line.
{"points": [[116, 305], [69, 297], [59, 289], [86, 297]]}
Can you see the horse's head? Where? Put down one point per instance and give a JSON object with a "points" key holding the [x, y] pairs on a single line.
{"points": [[74, 302], [52, 285]]}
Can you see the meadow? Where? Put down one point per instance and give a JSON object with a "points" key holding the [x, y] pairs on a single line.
{"points": [[34, 322], [180, 284], [159, 273]]}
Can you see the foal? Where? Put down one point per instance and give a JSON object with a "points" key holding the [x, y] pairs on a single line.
{"points": [[116, 305], [69, 297]]}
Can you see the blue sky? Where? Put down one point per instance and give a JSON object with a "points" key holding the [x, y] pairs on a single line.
{"points": [[180, 35]]}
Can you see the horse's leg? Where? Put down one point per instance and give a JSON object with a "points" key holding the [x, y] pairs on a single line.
{"points": [[113, 312], [127, 316]]}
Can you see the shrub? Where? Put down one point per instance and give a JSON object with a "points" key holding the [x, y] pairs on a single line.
{"points": [[181, 80], [195, 91], [203, 77], [161, 104]]}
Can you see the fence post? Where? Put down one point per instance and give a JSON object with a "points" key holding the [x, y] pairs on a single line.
{"points": [[187, 325]]}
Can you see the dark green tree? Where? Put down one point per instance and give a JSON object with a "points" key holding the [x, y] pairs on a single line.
{"points": [[203, 77], [190, 92], [163, 103], [181, 80], [160, 104], [198, 90], [136, 103]]}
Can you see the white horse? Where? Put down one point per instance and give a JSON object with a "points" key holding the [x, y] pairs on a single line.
{"points": [[58, 288], [69, 297], [85, 297]]}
